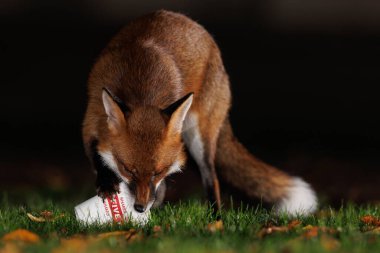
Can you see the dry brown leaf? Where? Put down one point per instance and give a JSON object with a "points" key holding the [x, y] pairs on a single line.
{"points": [[80, 243], [21, 235], [293, 224], [374, 231], [45, 216], [135, 237], [313, 231], [34, 218], [48, 215], [370, 220], [328, 230], [271, 229], [63, 230], [329, 243], [307, 227], [128, 235], [215, 226], [74, 245], [310, 232], [10, 248], [114, 234], [157, 231]]}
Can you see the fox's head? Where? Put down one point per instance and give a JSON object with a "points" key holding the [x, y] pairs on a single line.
{"points": [[142, 146]]}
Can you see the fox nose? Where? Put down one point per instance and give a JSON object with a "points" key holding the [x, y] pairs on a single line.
{"points": [[139, 208]]}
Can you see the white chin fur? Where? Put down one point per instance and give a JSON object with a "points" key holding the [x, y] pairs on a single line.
{"points": [[300, 200]]}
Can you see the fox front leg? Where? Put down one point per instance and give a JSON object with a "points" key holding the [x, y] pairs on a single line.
{"points": [[107, 183], [203, 154]]}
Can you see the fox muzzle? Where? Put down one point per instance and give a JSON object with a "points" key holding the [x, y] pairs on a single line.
{"points": [[144, 194]]}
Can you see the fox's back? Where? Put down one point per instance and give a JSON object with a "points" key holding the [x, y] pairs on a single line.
{"points": [[154, 60], [135, 129]]}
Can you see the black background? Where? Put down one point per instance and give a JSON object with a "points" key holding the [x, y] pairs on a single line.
{"points": [[304, 76]]}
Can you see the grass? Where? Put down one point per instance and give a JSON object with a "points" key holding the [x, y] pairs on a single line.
{"points": [[184, 229]]}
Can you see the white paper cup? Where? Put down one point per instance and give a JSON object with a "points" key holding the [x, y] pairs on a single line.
{"points": [[118, 208]]}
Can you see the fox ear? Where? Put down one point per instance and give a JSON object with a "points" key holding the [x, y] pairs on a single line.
{"points": [[177, 112], [112, 108]]}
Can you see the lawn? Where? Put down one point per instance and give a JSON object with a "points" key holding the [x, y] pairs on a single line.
{"points": [[187, 227]]}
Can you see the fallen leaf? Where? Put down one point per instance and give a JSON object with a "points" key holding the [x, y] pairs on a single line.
{"points": [[64, 230], [34, 218], [215, 226], [271, 229], [10, 248], [45, 216], [128, 235], [374, 231], [313, 231], [370, 220], [21, 235], [329, 243], [157, 231], [74, 245], [115, 234], [48, 215], [310, 232], [293, 224], [307, 227], [328, 230], [80, 243], [135, 237]]}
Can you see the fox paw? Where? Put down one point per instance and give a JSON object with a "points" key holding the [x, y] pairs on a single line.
{"points": [[107, 190]]}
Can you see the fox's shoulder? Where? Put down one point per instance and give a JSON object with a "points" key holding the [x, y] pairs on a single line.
{"points": [[160, 26], [165, 15], [168, 14]]}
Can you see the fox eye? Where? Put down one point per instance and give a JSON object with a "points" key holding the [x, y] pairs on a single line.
{"points": [[157, 174], [127, 171]]}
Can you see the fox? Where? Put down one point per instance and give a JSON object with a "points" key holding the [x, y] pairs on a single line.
{"points": [[159, 92]]}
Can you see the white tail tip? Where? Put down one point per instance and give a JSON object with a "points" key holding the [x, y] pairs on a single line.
{"points": [[300, 200]]}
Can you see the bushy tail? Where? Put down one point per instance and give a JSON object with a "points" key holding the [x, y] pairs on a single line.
{"points": [[237, 167]]}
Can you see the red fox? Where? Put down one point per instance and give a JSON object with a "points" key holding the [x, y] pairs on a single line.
{"points": [[158, 86]]}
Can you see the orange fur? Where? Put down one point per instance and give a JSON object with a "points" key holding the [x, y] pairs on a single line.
{"points": [[152, 63]]}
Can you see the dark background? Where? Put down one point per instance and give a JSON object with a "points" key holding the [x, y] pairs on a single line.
{"points": [[304, 77]]}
